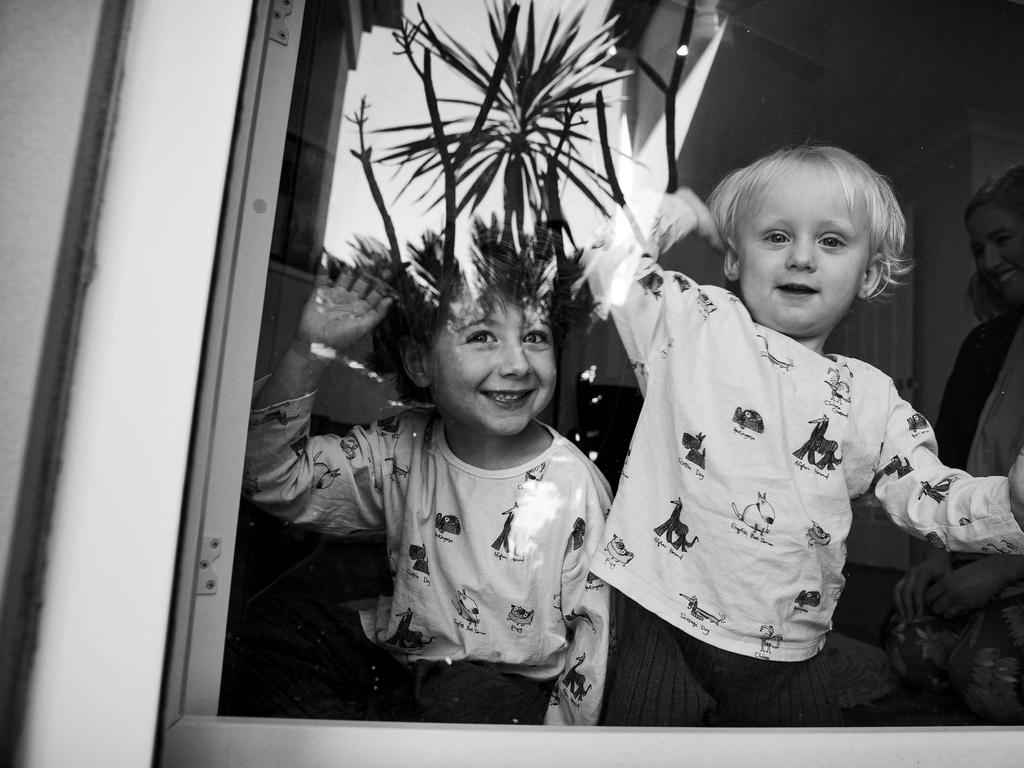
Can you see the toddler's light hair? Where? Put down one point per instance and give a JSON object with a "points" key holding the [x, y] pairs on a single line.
{"points": [[739, 194]]}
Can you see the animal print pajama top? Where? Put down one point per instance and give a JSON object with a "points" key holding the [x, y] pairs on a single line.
{"points": [[731, 517], [488, 565]]}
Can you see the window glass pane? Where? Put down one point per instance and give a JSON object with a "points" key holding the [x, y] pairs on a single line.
{"points": [[924, 92]]}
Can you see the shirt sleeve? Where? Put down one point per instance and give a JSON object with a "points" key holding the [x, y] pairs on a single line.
{"points": [[627, 284], [579, 687], [327, 483], [945, 506]]}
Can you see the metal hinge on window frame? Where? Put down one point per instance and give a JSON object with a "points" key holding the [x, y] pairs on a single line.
{"points": [[279, 31], [206, 577]]}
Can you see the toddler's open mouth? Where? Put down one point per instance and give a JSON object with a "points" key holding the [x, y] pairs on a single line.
{"points": [[796, 289]]}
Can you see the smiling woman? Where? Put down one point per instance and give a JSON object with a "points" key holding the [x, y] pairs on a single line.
{"points": [[253, 101], [968, 609]]}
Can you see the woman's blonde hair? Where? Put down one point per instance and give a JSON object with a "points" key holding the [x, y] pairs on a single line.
{"points": [[739, 193], [1005, 192]]}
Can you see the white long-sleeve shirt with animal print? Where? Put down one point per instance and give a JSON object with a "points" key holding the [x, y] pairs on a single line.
{"points": [[732, 513], [488, 565]]}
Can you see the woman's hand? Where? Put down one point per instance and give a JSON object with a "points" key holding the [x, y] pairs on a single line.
{"points": [[972, 586], [909, 592]]}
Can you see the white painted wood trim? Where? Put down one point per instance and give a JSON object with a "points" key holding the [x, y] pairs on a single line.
{"points": [[95, 688], [242, 743]]}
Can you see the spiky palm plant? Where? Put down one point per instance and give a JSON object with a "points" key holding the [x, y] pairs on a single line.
{"points": [[529, 139]]}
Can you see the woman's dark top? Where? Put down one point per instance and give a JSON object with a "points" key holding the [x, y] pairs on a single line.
{"points": [[974, 374]]}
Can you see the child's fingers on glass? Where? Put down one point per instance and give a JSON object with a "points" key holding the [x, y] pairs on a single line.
{"points": [[338, 273], [363, 282], [330, 267], [370, 288], [378, 292]]}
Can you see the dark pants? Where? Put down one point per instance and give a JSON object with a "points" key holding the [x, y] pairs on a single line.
{"points": [[665, 677], [300, 652]]}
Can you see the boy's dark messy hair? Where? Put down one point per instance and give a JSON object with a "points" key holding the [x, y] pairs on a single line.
{"points": [[528, 272]]}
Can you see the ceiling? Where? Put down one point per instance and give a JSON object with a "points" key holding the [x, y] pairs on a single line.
{"points": [[871, 75]]}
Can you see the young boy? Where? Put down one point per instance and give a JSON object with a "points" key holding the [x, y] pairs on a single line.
{"points": [[728, 531], [491, 517]]}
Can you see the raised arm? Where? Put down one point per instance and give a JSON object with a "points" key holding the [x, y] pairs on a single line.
{"points": [[337, 315], [327, 483], [651, 226], [621, 266], [678, 215]]}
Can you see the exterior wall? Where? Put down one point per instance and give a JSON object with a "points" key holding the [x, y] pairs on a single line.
{"points": [[59, 65], [44, 100], [96, 678]]}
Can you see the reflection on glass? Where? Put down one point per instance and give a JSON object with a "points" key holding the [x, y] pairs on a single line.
{"points": [[751, 76], [455, 538]]}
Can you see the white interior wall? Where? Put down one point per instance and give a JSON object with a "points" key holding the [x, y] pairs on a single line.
{"points": [[937, 176]]}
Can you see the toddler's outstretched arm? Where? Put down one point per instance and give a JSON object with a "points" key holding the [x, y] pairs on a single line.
{"points": [[1016, 478], [946, 506], [339, 312]]}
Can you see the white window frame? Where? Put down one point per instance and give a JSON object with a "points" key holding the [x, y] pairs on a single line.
{"points": [[128, 463]]}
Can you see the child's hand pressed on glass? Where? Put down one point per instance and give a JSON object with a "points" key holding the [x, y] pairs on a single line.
{"points": [[680, 214], [342, 309]]}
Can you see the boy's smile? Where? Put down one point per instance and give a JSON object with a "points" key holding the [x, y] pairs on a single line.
{"points": [[802, 257], [489, 379]]}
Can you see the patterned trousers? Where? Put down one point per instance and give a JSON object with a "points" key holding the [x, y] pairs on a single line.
{"points": [[980, 656]]}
